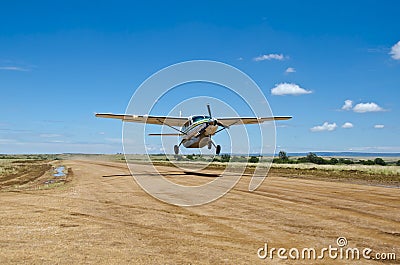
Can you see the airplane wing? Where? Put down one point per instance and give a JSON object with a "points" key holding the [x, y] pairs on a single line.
{"points": [[250, 120], [180, 121], [159, 120]]}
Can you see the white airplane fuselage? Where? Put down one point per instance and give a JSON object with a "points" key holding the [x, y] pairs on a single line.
{"points": [[198, 131]]}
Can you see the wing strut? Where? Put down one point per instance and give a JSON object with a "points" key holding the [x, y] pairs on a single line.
{"points": [[172, 127]]}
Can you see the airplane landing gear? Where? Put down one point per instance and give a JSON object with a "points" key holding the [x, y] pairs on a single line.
{"points": [[176, 149], [218, 149]]}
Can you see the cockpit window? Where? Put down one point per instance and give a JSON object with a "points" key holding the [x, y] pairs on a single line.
{"points": [[186, 124], [199, 118]]}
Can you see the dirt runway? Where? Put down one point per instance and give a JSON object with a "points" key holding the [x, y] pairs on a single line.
{"points": [[102, 216]]}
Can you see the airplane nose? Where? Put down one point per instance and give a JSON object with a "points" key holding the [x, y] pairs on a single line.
{"points": [[213, 122]]}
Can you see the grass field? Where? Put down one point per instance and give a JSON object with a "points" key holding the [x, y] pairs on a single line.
{"points": [[26, 172]]}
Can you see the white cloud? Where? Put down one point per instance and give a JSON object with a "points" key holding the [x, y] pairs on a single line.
{"points": [[395, 51], [348, 105], [347, 125], [13, 68], [271, 56], [324, 127], [379, 126], [288, 89], [367, 107], [290, 70]]}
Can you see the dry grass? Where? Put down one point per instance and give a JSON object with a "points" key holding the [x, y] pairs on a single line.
{"points": [[17, 172], [373, 169], [362, 174]]}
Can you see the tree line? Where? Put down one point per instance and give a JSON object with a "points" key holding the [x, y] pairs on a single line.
{"points": [[283, 158]]}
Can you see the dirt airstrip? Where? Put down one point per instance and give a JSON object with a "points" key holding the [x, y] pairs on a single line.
{"points": [[102, 216]]}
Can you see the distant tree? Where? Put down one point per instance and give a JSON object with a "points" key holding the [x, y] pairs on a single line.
{"points": [[398, 163], [368, 162], [380, 161], [225, 158], [253, 159], [313, 158], [190, 157], [283, 156]]}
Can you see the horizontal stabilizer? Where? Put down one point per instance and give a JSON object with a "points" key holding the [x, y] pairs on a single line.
{"points": [[165, 134]]}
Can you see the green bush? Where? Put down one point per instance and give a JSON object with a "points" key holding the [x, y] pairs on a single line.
{"points": [[225, 158], [368, 162], [333, 161], [313, 158], [253, 159], [380, 161], [345, 161]]}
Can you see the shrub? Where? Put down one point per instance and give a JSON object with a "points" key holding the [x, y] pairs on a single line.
{"points": [[225, 158], [345, 161], [380, 161], [313, 158], [333, 161], [253, 159], [216, 159], [368, 162]]}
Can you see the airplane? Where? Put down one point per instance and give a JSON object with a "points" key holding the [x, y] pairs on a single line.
{"points": [[195, 131]]}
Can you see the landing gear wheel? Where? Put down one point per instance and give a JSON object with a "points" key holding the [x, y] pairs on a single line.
{"points": [[176, 149], [218, 149], [209, 145]]}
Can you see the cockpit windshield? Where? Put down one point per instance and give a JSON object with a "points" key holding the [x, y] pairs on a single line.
{"points": [[194, 119], [199, 118]]}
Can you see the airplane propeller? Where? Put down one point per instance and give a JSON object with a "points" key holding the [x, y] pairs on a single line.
{"points": [[209, 110], [215, 121]]}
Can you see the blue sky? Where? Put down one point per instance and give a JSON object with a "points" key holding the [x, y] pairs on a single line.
{"points": [[62, 61]]}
